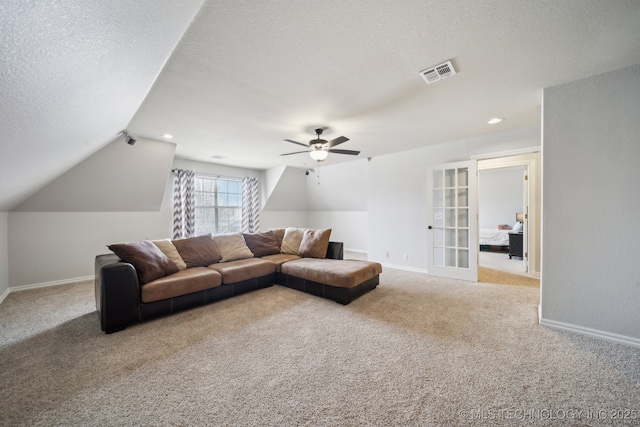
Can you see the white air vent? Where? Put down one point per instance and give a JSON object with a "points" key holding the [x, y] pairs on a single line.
{"points": [[439, 72]]}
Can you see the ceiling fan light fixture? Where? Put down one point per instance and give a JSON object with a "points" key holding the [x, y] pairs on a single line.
{"points": [[318, 155]]}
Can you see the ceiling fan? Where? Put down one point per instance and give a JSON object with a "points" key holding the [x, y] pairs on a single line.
{"points": [[319, 149]]}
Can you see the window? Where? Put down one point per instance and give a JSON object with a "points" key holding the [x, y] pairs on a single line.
{"points": [[218, 205]]}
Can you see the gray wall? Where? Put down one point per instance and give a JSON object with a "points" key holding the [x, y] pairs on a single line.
{"points": [[117, 178], [500, 196], [397, 202], [4, 253], [591, 148]]}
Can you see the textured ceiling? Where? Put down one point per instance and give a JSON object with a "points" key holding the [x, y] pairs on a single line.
{"points": [[247, 74], [72, 75]]}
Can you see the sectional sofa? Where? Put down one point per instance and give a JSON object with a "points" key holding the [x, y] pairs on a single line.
{"points": [[150, 278]]}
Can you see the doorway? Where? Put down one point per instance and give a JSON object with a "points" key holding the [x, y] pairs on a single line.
{"points": [[502, 203], [529, 164]]}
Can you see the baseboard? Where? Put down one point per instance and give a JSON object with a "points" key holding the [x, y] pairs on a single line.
{"points": [[4, 295], [608, 336], [48, 284], [358, 251], [405, 268]]}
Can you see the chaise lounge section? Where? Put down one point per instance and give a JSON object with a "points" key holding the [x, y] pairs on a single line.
{"points": [[147, 279]]}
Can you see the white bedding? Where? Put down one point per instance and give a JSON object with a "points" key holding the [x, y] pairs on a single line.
{"points": [[493, 236]]}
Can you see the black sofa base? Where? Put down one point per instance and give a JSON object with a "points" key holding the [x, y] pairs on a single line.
{"points": [[341, 295], [118, 296], [116, 317], [183, 302]]}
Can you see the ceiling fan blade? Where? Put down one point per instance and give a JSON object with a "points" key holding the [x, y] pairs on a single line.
{"points": [[337, 141], [350, 152], [298, 143], [297, 152]]}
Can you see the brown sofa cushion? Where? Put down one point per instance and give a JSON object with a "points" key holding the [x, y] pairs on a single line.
{"points": [[149, 261], [279, 259], [279, 232], [232, 247], [199, 251], [243, 269], [291, 240], [170, 251], [315, 243], [341, 273], [181, 283], [262, 244]]}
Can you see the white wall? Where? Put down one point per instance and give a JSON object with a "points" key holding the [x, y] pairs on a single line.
{"points": [[282, 219], [47, 247], [397, 201], [337, 199], [348, 227], [4, 254], [591, 148], [500, 196]]}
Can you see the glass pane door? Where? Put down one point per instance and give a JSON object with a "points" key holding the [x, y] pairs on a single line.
{"points": [[453, 224]]}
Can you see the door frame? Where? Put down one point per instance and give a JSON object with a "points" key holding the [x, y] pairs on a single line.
{"points": [[531, 161]]}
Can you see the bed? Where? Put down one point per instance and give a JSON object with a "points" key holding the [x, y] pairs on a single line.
{"points": [[497, 239], [493, 237]]}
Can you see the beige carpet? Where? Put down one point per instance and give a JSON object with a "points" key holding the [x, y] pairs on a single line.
{"points": [[416, 351], [487, 275]]}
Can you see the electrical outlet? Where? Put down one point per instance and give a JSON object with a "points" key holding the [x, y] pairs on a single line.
{"points": [[386, 255], [405, 257]]}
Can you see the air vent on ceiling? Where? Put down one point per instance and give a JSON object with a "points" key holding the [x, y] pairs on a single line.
{"points": [[439, 72]]}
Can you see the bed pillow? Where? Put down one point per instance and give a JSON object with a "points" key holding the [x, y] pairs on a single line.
{"points": [[171, 252], [262, 244], [199, 251], [517, 227], [232, 247], [149, 261], [291, 240]]}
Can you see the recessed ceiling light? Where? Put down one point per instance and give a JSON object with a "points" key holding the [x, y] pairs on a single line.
{"points": [[168, 136], [495, 120]]}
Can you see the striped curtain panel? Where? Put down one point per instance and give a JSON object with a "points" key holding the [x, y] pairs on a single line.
{"points": [[184, 207], [250, 205]]}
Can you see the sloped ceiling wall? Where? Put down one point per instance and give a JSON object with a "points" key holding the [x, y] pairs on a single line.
{"points": [[289, 192], [118, 178], [72, 77]]}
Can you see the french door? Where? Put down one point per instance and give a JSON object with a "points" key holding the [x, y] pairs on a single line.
{"points": [[453, 220]]}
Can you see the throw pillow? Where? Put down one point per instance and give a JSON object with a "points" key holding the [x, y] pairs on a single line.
{"points": [[279, 232], [315, 243], [149, 261], [291, 240], [262, 244], [171, 252], [232, 247], [199, 251]]}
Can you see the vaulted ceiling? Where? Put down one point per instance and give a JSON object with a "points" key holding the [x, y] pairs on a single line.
{"points": [[232, 79]]}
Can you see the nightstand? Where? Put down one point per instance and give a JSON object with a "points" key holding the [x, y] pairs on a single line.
{"points": [[515, 245]]}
